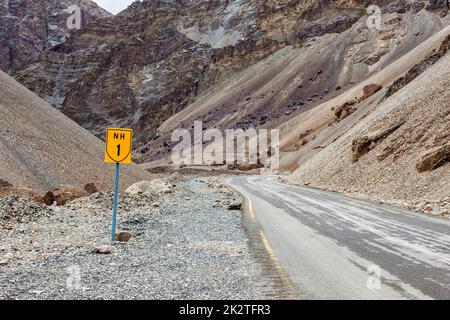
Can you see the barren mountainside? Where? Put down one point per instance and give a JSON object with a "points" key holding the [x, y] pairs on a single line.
{"points": [[399, 152], [28, 28], [158, 57]]}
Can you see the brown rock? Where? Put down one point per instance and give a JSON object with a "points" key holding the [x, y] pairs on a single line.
{"points": [[362, 145], [245, 167], [434, 158], [61, 195], [90, 188], [345, 110], [123, 236], [103, 249], [370, 90], [235, 206], [22, 192], [49, 198], [4, 184]]}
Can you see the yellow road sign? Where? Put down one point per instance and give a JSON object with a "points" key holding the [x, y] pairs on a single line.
{"points": [[118, 145]]}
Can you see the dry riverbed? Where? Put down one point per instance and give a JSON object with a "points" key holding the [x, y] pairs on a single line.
{"points": [[185, 245]]}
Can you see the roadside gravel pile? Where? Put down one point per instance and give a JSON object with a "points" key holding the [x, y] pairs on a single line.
{"points": [[18, 209], [231, 200], [103, 200], [439, 208], [436, 208], [181, 248]]}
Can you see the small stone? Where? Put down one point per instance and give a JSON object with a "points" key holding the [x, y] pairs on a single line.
{"points": [[235, 206], [3, 262], [90, 188], [420, 206], [123, 236], [103, 249], [167, 190]]}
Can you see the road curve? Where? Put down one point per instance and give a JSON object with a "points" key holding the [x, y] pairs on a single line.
{"points": [[334, 247]]}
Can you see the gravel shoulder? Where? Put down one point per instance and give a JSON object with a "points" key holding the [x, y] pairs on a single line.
{"points": [[185, 245]]}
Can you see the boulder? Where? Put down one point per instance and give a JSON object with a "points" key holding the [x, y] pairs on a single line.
{"points": [[90, 188], [363, 144], [61, 195], [434, 158], [150, 187], [345, 110], [235, 206], [370, 90], [103, 249], [123, 236], [245, 166], [4, 184]]}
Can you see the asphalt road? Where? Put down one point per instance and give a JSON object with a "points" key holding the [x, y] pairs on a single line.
{"points": [[334, 247]]}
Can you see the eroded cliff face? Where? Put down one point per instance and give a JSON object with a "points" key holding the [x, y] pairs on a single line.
{"points": [[29, 27], [147, 64]]}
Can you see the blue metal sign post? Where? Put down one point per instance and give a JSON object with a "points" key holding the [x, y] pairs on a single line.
{"points": [[116, 191], [118, 149]]}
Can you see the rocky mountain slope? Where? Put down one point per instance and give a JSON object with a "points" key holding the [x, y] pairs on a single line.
{"points": [[40, 148], [308, 133], [158, 57], [312, 91], [28, 28], [400, 151], [141, 66]]}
